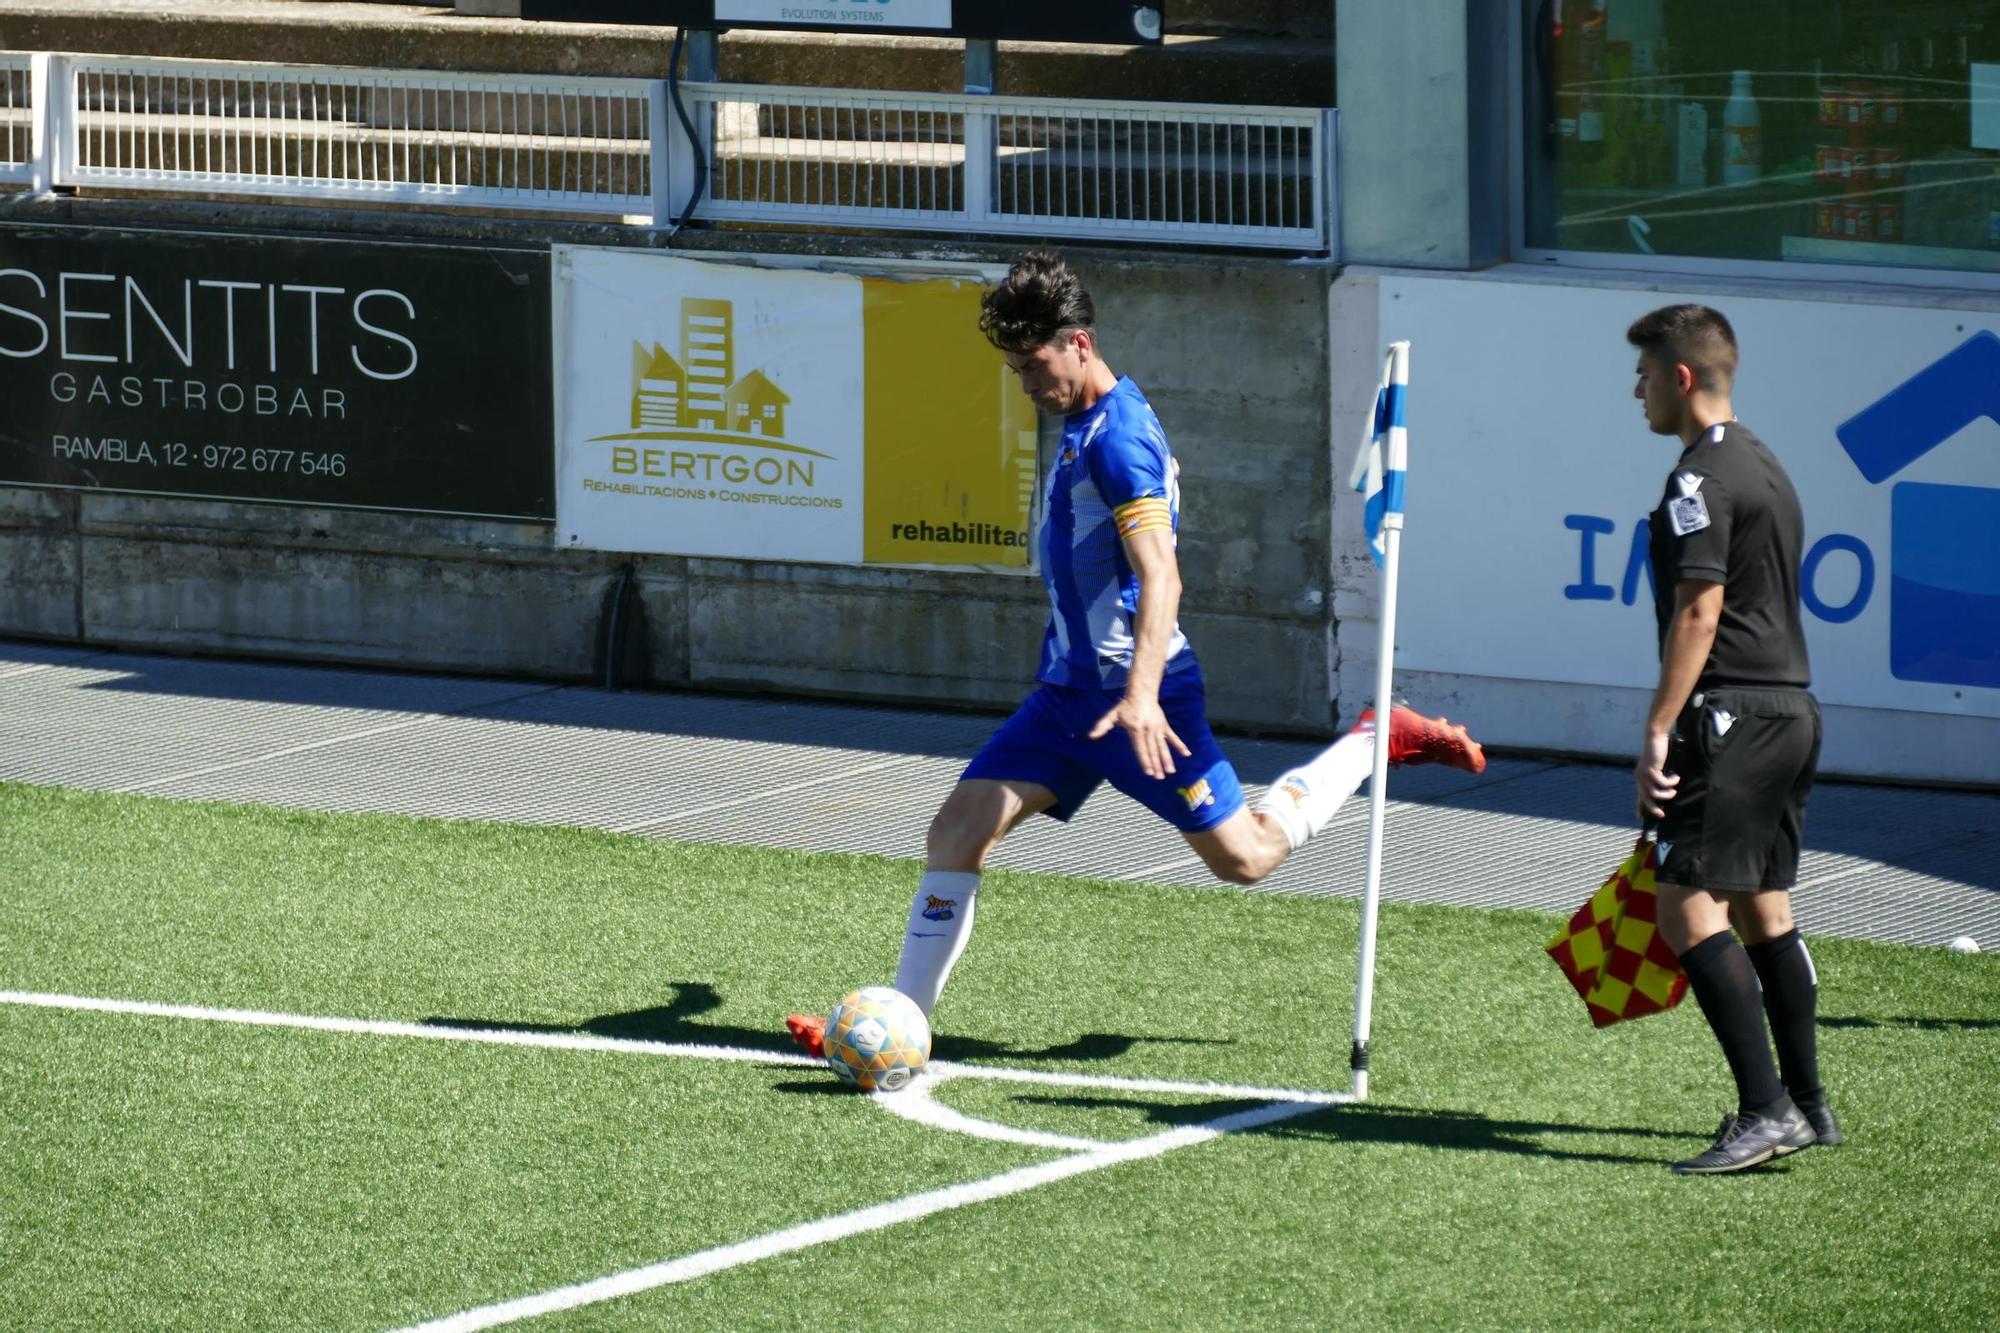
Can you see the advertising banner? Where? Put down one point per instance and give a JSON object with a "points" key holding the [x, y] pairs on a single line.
{"points": [[722, 409], [279, 370], [1532, 473], [838, 13]]}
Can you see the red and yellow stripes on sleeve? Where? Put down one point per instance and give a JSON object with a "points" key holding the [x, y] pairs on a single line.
{"points": [[1148, 513]]}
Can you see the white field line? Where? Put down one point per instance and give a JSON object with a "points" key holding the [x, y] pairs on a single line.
{"points": [[568, 1041], [758, 797], [345, 738], [913, 1104], [584, 1041], [875, 1218]]}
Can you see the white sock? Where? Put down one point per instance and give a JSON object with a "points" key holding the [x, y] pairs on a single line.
{"points": [[1302, 801], [940, 924]]}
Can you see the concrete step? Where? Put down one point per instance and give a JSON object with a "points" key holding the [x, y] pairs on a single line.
{"points": [[1235, 69], [1269, 18], [1298, 19]]}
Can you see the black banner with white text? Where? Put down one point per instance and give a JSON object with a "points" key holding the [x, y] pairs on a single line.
{"points": [[276, 369]]}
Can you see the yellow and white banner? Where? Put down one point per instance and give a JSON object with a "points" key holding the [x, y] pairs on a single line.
{"points": [[721, 409]]}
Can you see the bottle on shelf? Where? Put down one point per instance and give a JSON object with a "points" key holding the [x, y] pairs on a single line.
{"points": [[1742, 137]]}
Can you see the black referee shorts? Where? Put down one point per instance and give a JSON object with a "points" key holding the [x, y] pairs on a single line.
{"points": [[1746, 760]]}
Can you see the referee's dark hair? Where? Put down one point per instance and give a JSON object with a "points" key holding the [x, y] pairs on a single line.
{"points": [[1038, 301], [1695, 336]]}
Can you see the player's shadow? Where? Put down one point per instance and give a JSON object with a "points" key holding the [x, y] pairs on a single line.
{"points": [[1421, 1127], [674, 1021], [1921, 1024], [679, 1020], [1089, 1046]]}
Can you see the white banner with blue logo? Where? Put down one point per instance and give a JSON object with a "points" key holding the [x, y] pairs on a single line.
{"points": [[1540, 473]]}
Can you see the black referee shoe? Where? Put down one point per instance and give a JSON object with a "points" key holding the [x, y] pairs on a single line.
{"points": [[1750, 1140], [1819, 1114]]}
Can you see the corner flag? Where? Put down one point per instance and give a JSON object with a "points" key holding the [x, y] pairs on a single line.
{"points": [[1380, 464], [1378, 475]]}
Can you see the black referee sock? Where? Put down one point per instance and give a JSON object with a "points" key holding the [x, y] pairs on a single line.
{"points": [[1725, 985], [1791, 1001]]}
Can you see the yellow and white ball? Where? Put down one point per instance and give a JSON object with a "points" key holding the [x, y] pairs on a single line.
{"points": [[877, 1039]]}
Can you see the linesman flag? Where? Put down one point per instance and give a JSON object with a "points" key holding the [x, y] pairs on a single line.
{"points": [[1611, 949], [1380, 465]]}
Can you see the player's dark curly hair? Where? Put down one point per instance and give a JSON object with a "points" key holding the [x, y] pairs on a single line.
{"points": [[1692, 335], [1038, 301]]}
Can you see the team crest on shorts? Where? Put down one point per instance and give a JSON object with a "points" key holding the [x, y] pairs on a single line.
{"points": [[939, 909], [1198, 795]]}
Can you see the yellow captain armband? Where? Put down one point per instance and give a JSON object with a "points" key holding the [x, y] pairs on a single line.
{"points": [[1146, 514]]}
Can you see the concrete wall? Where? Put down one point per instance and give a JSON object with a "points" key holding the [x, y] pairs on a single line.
{"points": [[1423, 105], [1232, 351]]}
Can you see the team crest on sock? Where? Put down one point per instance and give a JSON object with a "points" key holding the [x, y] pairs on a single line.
{"points": [[1293, 788], [939, 909]]}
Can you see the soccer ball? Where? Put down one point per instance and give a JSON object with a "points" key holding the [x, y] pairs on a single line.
{"points": [[877, 1039]]}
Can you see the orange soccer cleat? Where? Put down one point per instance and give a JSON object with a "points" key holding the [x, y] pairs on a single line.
{"points": [[1416, 739], [809, 1031]]}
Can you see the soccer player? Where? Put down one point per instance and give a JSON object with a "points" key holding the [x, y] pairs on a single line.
{"points": [[1732, 738], [1121, 696]]}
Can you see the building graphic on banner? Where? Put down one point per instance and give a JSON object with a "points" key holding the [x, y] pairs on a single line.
{"points": [[660, 384], [708, 350], [697, 397], [699, 388]]}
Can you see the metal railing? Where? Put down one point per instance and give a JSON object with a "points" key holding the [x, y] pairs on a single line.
{"points": [[1175, 173], [1005, 165], [397, 136], [18, 149]]}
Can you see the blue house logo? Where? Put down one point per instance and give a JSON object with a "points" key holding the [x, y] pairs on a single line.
{"points": [[1944, 600]]}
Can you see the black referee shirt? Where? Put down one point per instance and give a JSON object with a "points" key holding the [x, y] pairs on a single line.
{"points": [[1729, 515]]}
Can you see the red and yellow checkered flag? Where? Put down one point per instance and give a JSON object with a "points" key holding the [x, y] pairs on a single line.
{"points": [[1612, 952]]}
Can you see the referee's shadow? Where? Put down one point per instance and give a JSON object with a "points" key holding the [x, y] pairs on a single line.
{"points": [[1371, 1122]]}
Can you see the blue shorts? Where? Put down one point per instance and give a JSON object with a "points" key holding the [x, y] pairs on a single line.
{"points": [[1047, 741]]}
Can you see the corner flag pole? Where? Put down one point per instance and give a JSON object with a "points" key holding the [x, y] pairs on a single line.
{"points": [[1380, 478]]}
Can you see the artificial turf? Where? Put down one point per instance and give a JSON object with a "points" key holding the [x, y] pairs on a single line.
{"points": [[1508, 1171]]}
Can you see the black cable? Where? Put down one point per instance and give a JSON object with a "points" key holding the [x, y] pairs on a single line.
{"points": [[694, 140]]}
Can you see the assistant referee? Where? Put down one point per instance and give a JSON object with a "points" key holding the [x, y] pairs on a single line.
{"points": [[1732, 738]]}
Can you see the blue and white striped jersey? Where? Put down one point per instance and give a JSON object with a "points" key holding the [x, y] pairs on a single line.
{"points": [[1113, 476]]}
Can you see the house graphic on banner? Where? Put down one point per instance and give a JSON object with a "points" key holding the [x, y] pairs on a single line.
{"points": [[1944, 587], [757, 406], [698, 395]]}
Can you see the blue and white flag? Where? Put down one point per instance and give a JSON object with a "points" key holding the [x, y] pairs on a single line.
{"points": [[1380, 465]]}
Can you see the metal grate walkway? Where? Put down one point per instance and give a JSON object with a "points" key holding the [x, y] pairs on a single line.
{"points": [[1899, 864]]}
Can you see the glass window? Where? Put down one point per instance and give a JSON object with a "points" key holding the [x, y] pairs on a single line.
{"points": [[1832, 131]]}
